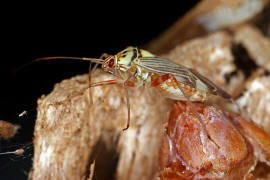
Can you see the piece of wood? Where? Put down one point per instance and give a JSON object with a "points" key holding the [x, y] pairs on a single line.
{"points": [[67, 129], [206, 16]]}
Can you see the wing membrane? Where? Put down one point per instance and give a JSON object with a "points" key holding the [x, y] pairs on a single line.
{"points": [[161, 66], [181, 73]]}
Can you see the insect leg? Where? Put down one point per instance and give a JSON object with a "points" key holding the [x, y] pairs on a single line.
{"points": [[128, 108], [125, 84], [90, 73], [192, 105], [104, 56], [103, 83], [89, 82]]}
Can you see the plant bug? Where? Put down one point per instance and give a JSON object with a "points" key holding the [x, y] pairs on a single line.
{"points": [[136, 67]]}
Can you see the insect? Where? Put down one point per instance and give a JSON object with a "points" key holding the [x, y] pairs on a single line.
{"points": [[136, 67]]}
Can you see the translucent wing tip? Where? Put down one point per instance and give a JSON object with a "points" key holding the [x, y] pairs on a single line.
{"points": [[223, 94]]}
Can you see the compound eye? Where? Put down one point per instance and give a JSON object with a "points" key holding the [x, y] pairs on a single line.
{"points": [[111, 62]]}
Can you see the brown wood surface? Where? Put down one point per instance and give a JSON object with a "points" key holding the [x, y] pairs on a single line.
{"points": [[70, 133]]}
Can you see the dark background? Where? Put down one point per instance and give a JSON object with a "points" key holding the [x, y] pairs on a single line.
{"points": [[31, 31]]}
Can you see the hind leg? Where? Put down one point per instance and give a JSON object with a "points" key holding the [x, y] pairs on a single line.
{"points": [[191, 104], [161, 79]]}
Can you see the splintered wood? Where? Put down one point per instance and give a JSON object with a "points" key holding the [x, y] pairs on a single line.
{"points": [[67, 129], [256, 99], [257, 45], [207, 15]]}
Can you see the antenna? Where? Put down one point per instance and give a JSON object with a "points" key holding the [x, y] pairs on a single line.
{"points": [[95, 60]]}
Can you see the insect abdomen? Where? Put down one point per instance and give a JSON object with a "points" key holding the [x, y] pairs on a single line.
{"points": [[168, 88]]}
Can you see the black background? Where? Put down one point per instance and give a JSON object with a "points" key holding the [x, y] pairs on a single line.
{"points": [[31, 31]]}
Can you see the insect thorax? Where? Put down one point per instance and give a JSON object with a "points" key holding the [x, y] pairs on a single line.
{"points": [[127, 62], [131, 54], [126, 57]]}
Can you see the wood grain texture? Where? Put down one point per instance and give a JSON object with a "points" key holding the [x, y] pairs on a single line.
{"points": [[67, 129]]}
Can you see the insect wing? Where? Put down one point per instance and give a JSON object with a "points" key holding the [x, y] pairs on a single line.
{"points": [[161, 66], [181, 73], [214, 88]]}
